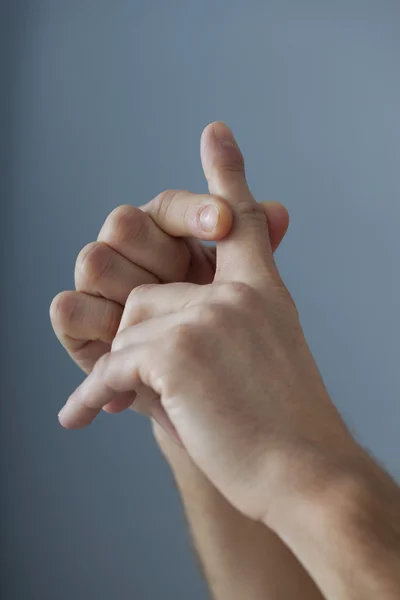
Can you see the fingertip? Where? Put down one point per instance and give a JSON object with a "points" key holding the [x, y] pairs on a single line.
{"points": [[278, 221], [215, 220], [213, 129], [281, 213], [207, 131], [72, 416], [220, 150], [65, 422], [225, 220], [206, 147]]}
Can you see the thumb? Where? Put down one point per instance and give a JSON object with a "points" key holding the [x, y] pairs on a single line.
{"points": [[245, 254]]}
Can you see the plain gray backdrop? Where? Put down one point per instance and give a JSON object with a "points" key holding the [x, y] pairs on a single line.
{"points": [[103, 103]]}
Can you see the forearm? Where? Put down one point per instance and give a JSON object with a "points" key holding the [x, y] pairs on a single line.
{"points": [[345, 530], [240, 558]]}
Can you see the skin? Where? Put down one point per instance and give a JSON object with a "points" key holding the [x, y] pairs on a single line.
{"points": [[227, 542], [86, 321], [272, 444]]}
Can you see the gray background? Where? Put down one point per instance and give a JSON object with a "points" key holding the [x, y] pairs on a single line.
{"points": [[103, 103]]}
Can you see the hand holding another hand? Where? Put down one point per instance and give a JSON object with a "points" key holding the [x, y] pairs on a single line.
{"points": [[223, 356]]}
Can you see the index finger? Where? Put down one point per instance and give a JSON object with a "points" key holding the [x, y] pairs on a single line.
{"points": [[246, 252], [118, 374]]}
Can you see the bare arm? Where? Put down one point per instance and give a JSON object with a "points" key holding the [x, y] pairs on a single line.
{"points": [[344, 526], [240, 557], [273, 444]]}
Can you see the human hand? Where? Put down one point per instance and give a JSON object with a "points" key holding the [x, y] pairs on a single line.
{"points": [[227, 360], [156, 243]]}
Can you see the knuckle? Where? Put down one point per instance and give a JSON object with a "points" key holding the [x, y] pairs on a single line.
{"points": [[137, 293], [251, 210], [239, 293], [93, 263], [183, 338], [161, 204], [125, 224], [135, 307], [110, 321], [117, 343], [232, 164], [63, 310], [101, 367]]}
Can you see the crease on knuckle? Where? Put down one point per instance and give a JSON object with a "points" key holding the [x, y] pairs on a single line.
{"points": [[92, 264], [63, 311], [162, 202], [233, 164], [110, 321], [251, 210], [126, 224]]}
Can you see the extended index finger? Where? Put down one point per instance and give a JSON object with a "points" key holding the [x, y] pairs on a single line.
{"points": [[246, 252]]}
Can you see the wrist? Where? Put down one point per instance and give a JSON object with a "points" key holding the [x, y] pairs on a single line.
{"points": [[344, 525], [343, 484]]}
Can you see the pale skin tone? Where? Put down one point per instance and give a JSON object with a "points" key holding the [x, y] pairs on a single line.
{"points": [[218, 357], [86, 322]]}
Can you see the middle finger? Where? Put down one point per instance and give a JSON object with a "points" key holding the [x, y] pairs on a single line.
{"points": [[102, 271], [133, 234]]}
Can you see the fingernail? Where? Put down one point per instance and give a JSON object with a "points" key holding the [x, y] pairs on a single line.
{"points": [[224, 135], [209, 217]]}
